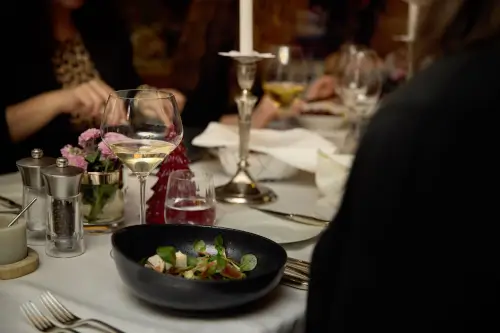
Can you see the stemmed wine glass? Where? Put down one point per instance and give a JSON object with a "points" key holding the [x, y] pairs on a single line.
{"points": [[141, 127], [286, 75], [360, 84]]}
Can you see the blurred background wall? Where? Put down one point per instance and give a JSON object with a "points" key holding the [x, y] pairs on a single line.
{"points": [[175, 34]]}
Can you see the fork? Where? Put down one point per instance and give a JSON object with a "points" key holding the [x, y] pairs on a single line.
{"points": [[40, 321], [68, 318]]}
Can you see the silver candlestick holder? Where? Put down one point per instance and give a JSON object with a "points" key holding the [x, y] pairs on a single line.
{"points": [[242, 188]]}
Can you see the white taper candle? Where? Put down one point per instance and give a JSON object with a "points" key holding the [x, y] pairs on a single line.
{"points": [[413, 10], [246, 26]]}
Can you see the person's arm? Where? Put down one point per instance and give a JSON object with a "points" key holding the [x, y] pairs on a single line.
{"points": [[266, 111], [28, 117]]}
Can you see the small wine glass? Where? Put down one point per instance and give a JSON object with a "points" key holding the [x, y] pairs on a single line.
{"points": [[190, 198], [141, 127], [360, 85], [285, 76]]}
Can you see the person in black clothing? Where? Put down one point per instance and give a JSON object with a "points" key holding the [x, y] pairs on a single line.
{"points": [[414, 246], [61, 59]]}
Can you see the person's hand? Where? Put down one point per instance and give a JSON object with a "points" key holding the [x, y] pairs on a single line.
{"points": [[86, 100], [154, 105], [179, 98], [321, 88], [268, 110]]}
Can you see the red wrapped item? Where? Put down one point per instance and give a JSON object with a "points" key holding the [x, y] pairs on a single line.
{"points": [[177, 160]]}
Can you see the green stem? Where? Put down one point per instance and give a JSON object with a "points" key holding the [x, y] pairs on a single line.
{"points": [[97, 207]]}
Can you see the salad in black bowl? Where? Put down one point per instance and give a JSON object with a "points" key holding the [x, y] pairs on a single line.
{"points": [[197, 268]]}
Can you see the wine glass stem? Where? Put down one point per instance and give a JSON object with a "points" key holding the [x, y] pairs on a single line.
{"points": [[142, 209]]}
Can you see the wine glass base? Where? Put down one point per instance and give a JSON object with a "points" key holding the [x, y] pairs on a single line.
{"points": [[245, 193]]}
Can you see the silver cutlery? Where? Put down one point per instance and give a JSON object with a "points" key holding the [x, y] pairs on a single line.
{"points": [[296, 274], [298, 262], [291, 280], [68, 318], [40, 321], [299, 218], [298, 268]]}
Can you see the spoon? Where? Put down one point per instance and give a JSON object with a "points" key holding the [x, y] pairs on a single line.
{"points": [[21, 213]]}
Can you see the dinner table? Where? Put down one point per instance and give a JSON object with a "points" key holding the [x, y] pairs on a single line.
{"points": [[90, 286]]}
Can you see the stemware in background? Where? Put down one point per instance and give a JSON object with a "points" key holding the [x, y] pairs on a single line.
{"points": [[285, 75], [190, 198], [360, 85], [141, 127]]}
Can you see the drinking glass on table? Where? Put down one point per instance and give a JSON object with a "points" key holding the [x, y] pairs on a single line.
{"points": [[360, 85], [141, 127], [190, 198], [285, 76]]}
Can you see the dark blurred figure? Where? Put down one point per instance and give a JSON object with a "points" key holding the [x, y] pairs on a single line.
{"points": [[414, 246], [347, 22], [62, 58], [351, 21]]}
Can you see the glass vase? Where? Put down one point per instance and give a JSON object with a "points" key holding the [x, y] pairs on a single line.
{"points": [[103, 204]]}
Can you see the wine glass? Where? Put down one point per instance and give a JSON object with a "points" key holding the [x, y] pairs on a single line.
{"points": [[190, 198], [141, 127], [360, 84], [285, 76]]}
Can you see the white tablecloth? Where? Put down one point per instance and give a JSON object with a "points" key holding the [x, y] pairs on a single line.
{"points": [[90, 285]]}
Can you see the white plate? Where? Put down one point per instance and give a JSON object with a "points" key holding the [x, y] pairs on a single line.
{"points": [[279, 230]]}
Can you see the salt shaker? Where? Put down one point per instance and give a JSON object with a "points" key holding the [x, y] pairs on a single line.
{"points": [[65, 226], [33, 187]]}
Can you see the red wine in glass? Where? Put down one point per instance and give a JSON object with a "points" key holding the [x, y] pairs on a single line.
{"points": [[190, 211]]}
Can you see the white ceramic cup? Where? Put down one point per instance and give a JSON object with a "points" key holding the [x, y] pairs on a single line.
{"points": [[13, 244]]}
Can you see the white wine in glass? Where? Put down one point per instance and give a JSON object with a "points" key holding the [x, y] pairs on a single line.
{"points": [[284, 93], [142, 156], [141, 127], [286, 75]]}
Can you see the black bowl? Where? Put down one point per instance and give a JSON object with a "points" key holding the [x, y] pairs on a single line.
{"points": [[131, 244]]}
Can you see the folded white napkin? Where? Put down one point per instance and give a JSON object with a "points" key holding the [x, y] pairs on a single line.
{"points": [[297, 147], [331, 175]]}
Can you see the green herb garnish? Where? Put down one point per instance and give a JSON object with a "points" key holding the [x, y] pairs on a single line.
{"points": [[192, 261], [167, 253], [207, 266], [248, 263], [199, 246]]}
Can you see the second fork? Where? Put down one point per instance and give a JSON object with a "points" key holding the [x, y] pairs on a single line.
{"points": [[40, 321], [68, 318]]}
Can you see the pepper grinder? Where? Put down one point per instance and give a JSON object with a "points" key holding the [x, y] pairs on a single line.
{"points": [[65, 226], [33, 187]]}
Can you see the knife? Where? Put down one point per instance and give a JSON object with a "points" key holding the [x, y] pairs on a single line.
{"points": [[9, 203], [304, 219]]}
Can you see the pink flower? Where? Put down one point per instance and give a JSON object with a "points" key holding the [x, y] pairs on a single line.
{"points": [[112, 137], [66, 151], [87, 138], [78, 161], [105, 151]]}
